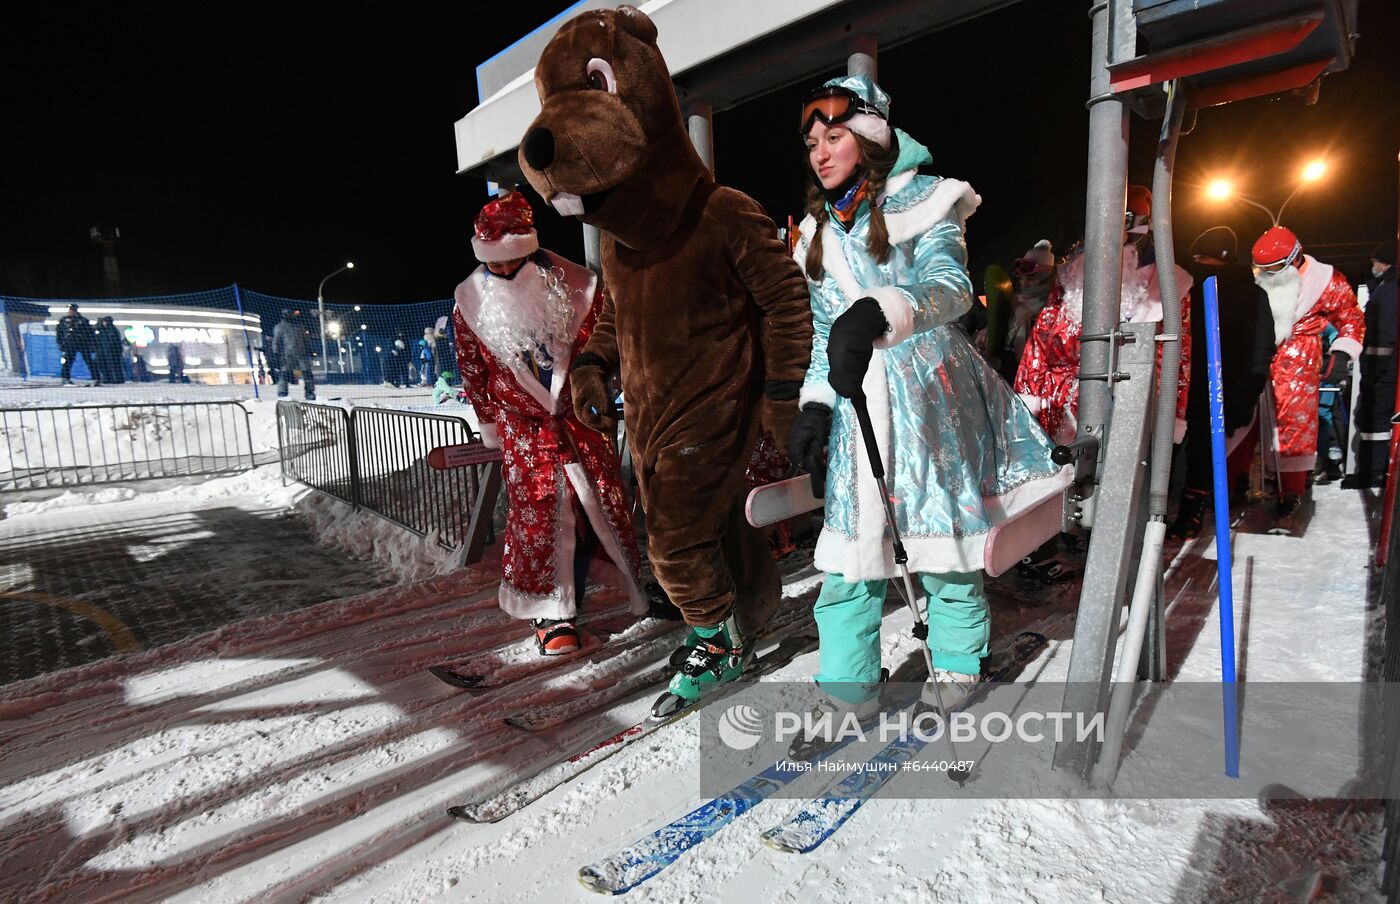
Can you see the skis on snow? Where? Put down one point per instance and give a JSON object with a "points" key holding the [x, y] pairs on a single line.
{"points": [[635, 864], [822, 816], [520, 794]]}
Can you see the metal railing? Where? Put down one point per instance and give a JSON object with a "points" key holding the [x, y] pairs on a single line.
{"points": [[85, 445], [376, 459], [316, 447]]}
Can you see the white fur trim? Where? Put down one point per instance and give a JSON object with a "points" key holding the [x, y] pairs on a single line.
{"points": [[866, 560], [1233, 440], [868, 125], [593, 509], [899, 314], [559, 602], [489, 438], [1347, 346], [509, 247], [896, 183], [1033, 403], [1178, 431], [834, 260], [805, 230], [952, 197], [1314, 280], [817, 392], [582, 285]]}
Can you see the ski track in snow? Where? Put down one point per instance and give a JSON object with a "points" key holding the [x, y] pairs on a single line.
{"points": [[308, 756]]}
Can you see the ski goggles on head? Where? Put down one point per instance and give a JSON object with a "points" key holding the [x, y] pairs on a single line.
{"points": [[833, 104], [1027, 267]]}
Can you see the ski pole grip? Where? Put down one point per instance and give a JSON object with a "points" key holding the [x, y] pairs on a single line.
{"points": [[867, 432]]}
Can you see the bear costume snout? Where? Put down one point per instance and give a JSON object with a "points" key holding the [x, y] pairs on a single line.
{"points": [[601, 83]]}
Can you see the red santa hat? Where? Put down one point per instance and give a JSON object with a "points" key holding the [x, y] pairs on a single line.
{"points": [[1138, 216], [505, 230], [1276, 246]]}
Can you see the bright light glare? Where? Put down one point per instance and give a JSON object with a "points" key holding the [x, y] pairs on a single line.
{"points": [[1219, 190], [1314, 171], [350, 265]]}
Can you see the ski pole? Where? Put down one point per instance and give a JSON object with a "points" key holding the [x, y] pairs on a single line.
{"points": [[901, 560]]}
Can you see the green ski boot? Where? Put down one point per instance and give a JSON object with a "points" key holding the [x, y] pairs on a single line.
{"points": [[717, 659]]}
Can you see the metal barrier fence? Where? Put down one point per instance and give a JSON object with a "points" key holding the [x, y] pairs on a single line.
{"points": [[85, 445], [317, 448], [377, 460]]}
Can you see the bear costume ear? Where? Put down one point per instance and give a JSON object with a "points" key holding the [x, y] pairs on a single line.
{"points": [[636, 23]]}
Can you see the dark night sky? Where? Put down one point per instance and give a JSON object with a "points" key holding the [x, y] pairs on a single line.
{"points": [[265, 145]]}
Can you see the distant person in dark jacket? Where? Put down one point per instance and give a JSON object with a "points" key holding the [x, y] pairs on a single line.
{"points": [[76, 337], [288, 344], [175, 360], [1375, 402], [109, 341], [1246, 350]]}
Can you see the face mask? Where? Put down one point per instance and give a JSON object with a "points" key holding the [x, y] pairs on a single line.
{"points": [[1378, 271]]}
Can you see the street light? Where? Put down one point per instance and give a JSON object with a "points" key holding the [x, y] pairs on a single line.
{"points": [[1311, 173], [321, 311], [1224, 190]]}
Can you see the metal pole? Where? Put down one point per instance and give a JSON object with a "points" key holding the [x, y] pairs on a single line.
{"points": [[700, 123], [321, 316], [1105, 575], [864, 58], [1114, 38], [247, 344], [1393, 467]]}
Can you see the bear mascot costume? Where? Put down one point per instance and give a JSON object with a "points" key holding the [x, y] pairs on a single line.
{"points": [[707, 322]]}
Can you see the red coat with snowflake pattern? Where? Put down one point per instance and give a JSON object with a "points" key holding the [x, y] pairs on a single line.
{"points": [[1324, 297], [554, 468]]}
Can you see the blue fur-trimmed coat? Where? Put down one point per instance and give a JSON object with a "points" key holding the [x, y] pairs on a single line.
{"points": [[961, 450]]}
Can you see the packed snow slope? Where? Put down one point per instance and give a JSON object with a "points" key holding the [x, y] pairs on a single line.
{"points": [[307, 755]]}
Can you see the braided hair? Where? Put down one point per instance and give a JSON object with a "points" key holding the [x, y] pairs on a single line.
{"points": [[878, 163]]}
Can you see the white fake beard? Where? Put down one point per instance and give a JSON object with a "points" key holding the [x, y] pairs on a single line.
{"points": [[527, 316], [1282, 289]]}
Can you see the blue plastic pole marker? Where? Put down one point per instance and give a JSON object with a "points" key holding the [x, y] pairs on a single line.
{"points": [[1222, 530]]}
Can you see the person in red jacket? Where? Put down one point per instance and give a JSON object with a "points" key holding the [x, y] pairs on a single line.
{"points": [[1305, 295], [519, 320]]}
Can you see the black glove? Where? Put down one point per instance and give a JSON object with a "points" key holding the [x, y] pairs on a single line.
{"points": [[807, 443], [851, 343], [1336, 368]]}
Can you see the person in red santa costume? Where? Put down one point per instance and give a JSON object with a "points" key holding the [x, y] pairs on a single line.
{"points": [[1048, 377], [1305, 295], [520, 319]]}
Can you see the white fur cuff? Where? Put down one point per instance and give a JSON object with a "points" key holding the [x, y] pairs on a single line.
{"points": [[1178, 431], [489, 439], [1346, 346], [1032, 402], [898, 309], [817, 391]]}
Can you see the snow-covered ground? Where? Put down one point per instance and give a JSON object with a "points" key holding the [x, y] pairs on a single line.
{"points": [[308, 755]]}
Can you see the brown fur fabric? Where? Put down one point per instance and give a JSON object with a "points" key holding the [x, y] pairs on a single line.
{"points": [[705, 306]]}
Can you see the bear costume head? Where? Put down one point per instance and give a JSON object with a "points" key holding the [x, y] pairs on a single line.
{"points": [[609, 145]]}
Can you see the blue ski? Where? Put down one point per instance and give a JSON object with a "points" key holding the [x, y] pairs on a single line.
{"points": [[821, 817], [630, 867]]}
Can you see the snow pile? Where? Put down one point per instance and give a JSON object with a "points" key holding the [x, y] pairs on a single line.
{"points": [[404, 554], [261, 486]]}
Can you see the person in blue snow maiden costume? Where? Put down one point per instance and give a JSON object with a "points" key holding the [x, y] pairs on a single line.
{"points": [[883, 251]]}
